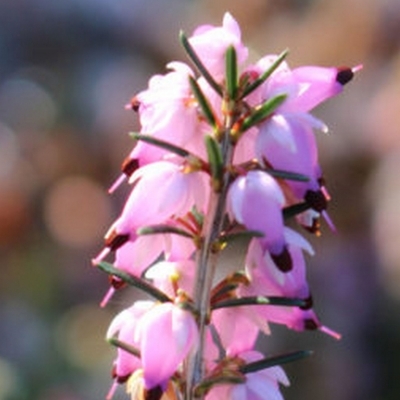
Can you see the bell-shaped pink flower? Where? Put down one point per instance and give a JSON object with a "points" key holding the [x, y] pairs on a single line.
{"points": [[124, 326], [256, 200], [287, 142], [169, 112], [166, 335], [236, 329], [210, 44], [161, 190], [306, 87]]}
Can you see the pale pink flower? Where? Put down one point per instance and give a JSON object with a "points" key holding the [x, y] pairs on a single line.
{"points": [[167, 111], [210, 44], [306, 87], [161, 190], [124, 326], [256, 200], [236, 328], [166, 335]]}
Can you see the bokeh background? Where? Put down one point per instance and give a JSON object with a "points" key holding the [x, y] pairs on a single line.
{"points": [[67, 69]]}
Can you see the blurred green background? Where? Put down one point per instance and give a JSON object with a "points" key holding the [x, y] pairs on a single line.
{"points": [[67, 68]]}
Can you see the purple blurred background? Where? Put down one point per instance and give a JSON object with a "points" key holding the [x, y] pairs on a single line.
{"points": [[66, 71]]}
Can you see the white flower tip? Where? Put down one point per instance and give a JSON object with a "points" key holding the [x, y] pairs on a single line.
{"points": [[330, 332], [357, 68], [117, 183]]}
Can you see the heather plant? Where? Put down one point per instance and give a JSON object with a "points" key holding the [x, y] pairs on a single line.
{"points": [[226, 154]]}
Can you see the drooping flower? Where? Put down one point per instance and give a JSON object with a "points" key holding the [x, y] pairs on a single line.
{"points": [[256, 200], [166, 335], [210, 44]]}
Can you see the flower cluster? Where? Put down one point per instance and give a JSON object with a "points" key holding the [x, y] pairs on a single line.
{"points": [[226, 151]]}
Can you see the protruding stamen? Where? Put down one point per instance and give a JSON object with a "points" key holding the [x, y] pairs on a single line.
{"points": [[329, 221], [103, 254], [117, 183], [107, 297], [330, 332], [112, 390]]}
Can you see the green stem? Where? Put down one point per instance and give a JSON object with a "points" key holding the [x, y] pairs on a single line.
{"points": [[206, 263]]}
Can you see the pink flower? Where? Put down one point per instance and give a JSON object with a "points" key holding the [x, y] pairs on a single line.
{"points": [[161, 190], [166, 335], [256, 200], [124, 326], [210, 44], [236, 328], [306, 87]]}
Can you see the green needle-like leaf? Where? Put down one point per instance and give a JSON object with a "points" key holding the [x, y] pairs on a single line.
{"points": [[203, 102], [231, 72], [258, 301], [254, 85], [157, 229], [263, 112], [197, 62], [215, 160], [290, 176], [134, 281], [230, 237], [160, 143], [273, 361], [124, 346], [295, 209]]}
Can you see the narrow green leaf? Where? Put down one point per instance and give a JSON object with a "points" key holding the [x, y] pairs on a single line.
{"points": [[295, 209], [231, 72], [258, 301], [124, 346], [197, 62], [230, 237], [263, 112], [215, 160], [134, 281], [160, 143], [255, 84], [157, 229], [273, 361], [291, 176], [203, 102]]}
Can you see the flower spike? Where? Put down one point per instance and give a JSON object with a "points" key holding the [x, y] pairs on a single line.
{"points": [[226, 153]]}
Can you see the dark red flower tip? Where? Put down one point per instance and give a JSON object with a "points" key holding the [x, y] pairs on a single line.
{"points": [[309, 302], [310, 324], [115, 240], [344, 75], [129, 166], [283, 260], [316, 200], [154, 393]]}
